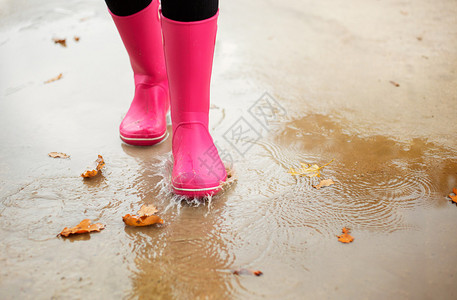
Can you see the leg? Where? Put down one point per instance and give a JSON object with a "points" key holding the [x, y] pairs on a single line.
{"points": [[189, 48], [139, 27], [189, 10], [124, 8]]}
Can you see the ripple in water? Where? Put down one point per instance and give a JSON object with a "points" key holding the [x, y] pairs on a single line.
{"points": [[163, 169]]}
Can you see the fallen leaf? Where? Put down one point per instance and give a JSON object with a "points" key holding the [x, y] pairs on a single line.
{"points": [[323, 183], [76, 38], [345, 237], [147, 210], [247, 272], [54, 78], [83, 227], [91, 173], [145, 217], [62, 42], [394, 83], [454, 198], [100, 162], [308, 170], [137, 221], [58, 155]]}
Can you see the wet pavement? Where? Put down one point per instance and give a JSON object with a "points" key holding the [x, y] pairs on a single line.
{"points": [[329, 69]]}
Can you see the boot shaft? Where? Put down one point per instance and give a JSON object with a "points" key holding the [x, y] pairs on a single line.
{"points": [[189, 50], [142, 37]]}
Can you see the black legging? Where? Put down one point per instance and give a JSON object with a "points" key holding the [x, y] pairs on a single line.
{"points": [[178, 10]]}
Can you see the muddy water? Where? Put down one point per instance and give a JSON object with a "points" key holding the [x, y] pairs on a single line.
{"points": [[327, 68]]}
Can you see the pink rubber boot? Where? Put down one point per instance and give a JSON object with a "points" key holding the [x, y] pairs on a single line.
{"points": [[189, 48], [145, 122]]}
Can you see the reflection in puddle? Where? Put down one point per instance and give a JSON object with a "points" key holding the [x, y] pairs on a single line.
{"points": [[184, 256], [269, 220], [312, 56], [376, 177]]}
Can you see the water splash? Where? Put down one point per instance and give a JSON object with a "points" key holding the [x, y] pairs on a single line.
{"points": [[163, 169]]}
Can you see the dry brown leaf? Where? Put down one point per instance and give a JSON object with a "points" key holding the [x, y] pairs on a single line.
{"points": [[137, 221], [454, 198], [394, 83], [147, 210], [345, 237], [61, 42], [100, 163], [308, 170], [89, 173], [324, 183], [54, 78], [84, 227], [247, 272], [76, 38], [58, 155], [145, 217]]}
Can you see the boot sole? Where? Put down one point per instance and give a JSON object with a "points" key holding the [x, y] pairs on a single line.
{"points": [[144, 141], [197, 192]]}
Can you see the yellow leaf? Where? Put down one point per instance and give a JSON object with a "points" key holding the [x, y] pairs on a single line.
{"points": [[308, 170], [324, 183]]}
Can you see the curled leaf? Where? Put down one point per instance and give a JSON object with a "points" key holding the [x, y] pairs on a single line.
{"points": [[84, 227], [454, 198], [54, 78], [323, 183], [345, 237], [247, 272], [61, 42], [89, 173], [308, 170], [100, 163], [58, 155], [137, 221], [145, 217]]}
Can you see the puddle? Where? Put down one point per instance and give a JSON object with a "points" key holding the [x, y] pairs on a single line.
{"points": [[394, 161]]}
